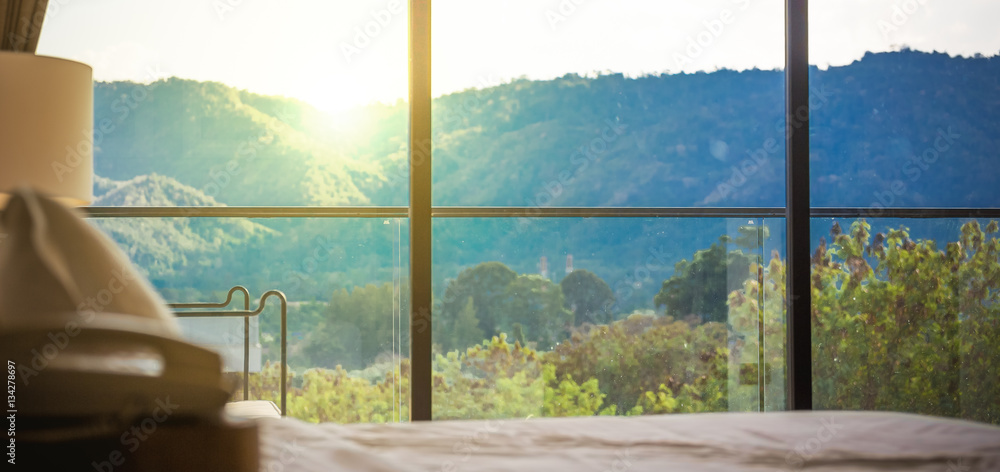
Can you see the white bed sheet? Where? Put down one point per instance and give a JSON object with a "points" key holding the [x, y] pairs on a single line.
{"points": [[782, 441]]}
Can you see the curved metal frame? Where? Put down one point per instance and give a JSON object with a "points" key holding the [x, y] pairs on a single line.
{"points": [[205, 310]]}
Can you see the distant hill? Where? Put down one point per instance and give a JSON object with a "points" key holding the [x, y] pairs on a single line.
{"points": [[148, 190], [215, 139], [666, 140], [176, 248]]}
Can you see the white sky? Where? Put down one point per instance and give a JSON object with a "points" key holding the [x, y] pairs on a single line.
{"points": [[296, 48]]}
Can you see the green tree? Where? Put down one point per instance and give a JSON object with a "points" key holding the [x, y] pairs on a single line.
{"points": [[701, 287], [536, 305], [898, 324], [465, 327], [638, 354], [358, 327], [486, 284], [493, 379], [901, 325], [588, 297]]}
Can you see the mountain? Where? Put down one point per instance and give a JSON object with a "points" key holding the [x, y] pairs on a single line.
{"points": [[191, 249], [207, 136], [903, 128]]}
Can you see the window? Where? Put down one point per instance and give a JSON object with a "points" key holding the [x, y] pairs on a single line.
{"points": [[613, 157], [585, 207], [904, 240]]}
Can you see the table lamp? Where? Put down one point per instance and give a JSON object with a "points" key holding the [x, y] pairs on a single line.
{"points": [[46, 127]]}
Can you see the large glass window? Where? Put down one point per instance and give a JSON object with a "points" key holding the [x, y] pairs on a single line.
{"points": [[904, 306], [232, 104], [608, 188], [605, 108], [906, 317], [608, 104], [611, 316], [242, 103], [347, 294], [898, 118]]}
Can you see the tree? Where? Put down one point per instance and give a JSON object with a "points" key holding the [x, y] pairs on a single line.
{"points": [[357, 328], [640, 353], [536, 305], [466, 326], [701, 287], [588, 297], [898, 324], [486, 285]]}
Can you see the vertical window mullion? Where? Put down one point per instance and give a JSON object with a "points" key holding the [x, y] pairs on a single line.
{"points": [[798, 358], [420, 209]]}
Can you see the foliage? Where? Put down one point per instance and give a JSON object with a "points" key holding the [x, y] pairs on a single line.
{"points": [[485, 284], [536, 306], [500, 301], [567, 398], [588, 297], [357, 328], [640, 353], [899, 325], [702, 286], [904, 326], [491, 380]]}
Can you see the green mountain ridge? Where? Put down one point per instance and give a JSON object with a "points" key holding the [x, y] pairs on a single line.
{"points": [[704, 139]]}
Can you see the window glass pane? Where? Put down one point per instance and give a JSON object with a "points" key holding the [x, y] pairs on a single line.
{"points": [[900, 106], [348, 342], [578, 317], [906, 317], [625, 103], [242, 103]]}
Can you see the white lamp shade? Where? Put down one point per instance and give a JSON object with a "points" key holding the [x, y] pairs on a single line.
{"points": [[46, 127]]}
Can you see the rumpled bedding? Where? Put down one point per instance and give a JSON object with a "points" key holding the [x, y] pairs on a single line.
{"points": [[780, 441]]}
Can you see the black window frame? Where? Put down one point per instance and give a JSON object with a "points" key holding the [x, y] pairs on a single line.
{"points": [[421, 212]]}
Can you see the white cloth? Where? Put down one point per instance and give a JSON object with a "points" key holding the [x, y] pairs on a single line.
{"points": [[53, 263], [782, 441]]}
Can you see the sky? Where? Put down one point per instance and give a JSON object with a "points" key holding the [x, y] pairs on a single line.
{"points": [[337, 54]]}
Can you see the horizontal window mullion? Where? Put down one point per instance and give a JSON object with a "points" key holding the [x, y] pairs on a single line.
{"points": [[246, 212], [905, 212], [597, 212], [528, 212]]}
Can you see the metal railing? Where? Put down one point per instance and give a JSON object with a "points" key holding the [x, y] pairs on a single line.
{"points": [[213, 310]]}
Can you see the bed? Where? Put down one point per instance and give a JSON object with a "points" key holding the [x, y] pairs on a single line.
{"points": [[819, 440]]}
